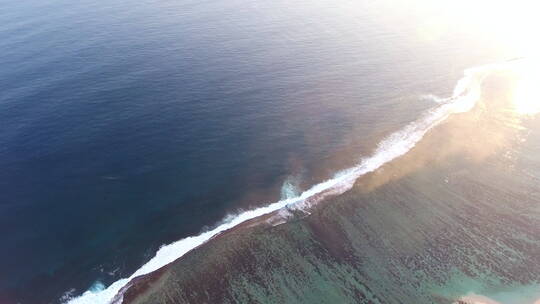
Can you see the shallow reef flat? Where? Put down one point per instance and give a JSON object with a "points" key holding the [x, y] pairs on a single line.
{"points": [[429, 227]]}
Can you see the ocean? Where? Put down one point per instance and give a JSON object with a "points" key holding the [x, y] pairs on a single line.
{"points": [[128, 125]]}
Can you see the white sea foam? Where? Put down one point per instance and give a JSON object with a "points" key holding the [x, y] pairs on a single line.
{"points": [[465, 95], [290, 188], [434, 98]]}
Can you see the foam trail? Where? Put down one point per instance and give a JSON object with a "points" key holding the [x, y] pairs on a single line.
{"points": [[465, 95]]}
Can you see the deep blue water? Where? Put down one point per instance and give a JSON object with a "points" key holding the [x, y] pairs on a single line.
{"points": [[128, 124]]}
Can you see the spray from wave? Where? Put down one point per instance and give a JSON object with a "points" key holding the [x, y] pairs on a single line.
{"points": [[290, 188], [466, 93]]}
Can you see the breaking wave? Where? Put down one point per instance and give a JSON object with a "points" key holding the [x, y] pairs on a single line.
{"points": [[466, 93], [290, 188]]}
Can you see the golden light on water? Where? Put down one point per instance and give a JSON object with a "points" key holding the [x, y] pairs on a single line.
{"points": [[514, 26], [510, 27]]}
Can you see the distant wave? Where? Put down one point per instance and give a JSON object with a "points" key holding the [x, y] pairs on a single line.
{"points": [[466, 93]]}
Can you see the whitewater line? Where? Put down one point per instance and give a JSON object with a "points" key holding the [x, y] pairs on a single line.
{"points": [[466, 93]]}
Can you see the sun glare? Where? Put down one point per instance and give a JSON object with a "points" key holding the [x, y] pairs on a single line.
{"points": [[526, 99], [526, 94], [513, 24]]}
